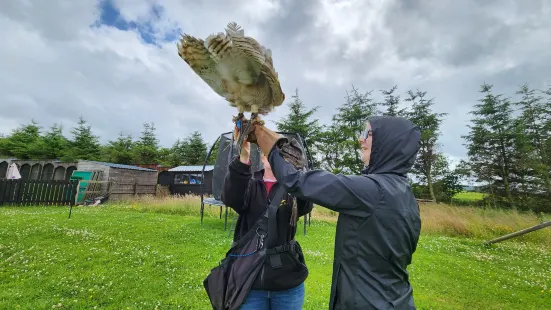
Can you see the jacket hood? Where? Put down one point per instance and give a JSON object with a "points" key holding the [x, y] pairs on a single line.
{"points": [[395, 144]]}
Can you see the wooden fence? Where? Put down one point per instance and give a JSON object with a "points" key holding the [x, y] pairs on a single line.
{"points": [[119, 189], [33, 192], [123, 190]]}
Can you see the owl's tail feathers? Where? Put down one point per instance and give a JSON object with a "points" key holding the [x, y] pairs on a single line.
{"points": [[235, 30]]}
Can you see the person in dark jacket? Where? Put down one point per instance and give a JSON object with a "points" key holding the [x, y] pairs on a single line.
{"points": [[248, 194], [379, 223]]}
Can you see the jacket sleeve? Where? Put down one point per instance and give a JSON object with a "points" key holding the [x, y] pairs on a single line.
{"points": [[304, 207], [349, 194], [236, 182]]}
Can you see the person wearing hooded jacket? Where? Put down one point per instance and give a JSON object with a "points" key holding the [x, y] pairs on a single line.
{"points": [[379, 220]]}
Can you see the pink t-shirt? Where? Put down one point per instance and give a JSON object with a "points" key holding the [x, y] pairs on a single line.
{"points": [[269, 184]]}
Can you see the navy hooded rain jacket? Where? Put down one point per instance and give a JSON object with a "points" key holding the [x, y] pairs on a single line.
{"points": [[379, 222]]}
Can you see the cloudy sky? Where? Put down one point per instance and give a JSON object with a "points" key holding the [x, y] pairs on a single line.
{"points": [[115, 62]]}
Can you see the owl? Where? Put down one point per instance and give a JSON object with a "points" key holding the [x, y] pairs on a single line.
{"points": [[237, 68]]}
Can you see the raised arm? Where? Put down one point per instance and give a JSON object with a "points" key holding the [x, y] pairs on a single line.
{"points": [[237, 181], [352, 195]]}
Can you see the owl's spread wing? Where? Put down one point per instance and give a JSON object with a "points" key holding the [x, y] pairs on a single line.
{"points": [[236, 67], [260, 64], [260, 59], [194, 53], [239, 58], [273, 81], [269, 61]]}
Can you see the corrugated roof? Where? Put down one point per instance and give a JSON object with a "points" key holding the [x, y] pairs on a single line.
{"points": [[191, 168], [119, 166]]}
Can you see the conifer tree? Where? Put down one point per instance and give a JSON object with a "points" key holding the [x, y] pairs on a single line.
{"points": [[120, 151], [490, 143], [348, 124], [391, 103], [429, 122], [194, 149], [300, 120], [25, 142], [535, 117], [84, 145], [54, 144], [147, 147]]}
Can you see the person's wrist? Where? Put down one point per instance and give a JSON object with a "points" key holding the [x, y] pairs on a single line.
{"points": [[245, 159], [266, 139]]}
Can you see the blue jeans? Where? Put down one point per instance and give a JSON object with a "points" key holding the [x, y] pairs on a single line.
{"points": [[291, 299]]}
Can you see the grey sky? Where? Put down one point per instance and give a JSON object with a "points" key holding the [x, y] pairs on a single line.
{"points": [[55, 67]]}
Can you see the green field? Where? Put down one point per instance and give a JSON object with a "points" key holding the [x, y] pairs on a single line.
{"points": [[469, 196], [130, 257]]}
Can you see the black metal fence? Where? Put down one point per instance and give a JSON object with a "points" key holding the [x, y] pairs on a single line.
{"points": [[40, 193]]}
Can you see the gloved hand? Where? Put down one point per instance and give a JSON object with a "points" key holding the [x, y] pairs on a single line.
{"points": [[293, 153], [291, 150]]}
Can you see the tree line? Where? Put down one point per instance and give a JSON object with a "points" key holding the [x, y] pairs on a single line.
{"points": [[30, 141], [508, 144]]}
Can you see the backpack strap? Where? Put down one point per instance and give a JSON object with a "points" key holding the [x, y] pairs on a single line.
{"points": [[272, 216], [275, 260]]}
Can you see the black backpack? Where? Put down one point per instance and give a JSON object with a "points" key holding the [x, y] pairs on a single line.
{"points": [[229, 283]]}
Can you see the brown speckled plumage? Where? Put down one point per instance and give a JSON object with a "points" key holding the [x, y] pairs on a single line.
{"points": [[236, 67]]}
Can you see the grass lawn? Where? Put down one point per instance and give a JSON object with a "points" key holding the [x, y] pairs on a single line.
{"points": [[469, 196], [127, 257]]}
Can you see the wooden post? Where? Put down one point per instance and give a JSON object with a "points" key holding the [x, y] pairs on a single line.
{"points": [[19, 192], [519, 233], [75, 186], [135, 189]]}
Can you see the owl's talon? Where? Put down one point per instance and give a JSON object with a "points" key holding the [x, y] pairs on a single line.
{"points": [[238, 117], [255, 119]]}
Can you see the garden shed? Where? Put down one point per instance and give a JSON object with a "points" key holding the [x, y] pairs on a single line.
{"points": [[184, 180], [121, 181]]}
